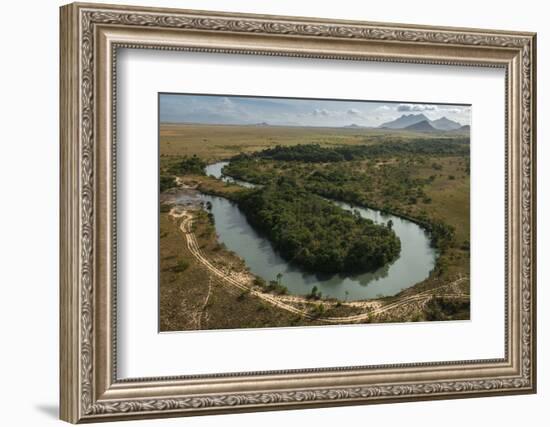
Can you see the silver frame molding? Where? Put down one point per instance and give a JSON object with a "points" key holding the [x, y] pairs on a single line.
{"points": [[90, 37]]}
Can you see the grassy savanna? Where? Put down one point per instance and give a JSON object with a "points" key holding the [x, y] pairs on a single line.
{"points": [[216, 142], [431, 189], [191, 297]]}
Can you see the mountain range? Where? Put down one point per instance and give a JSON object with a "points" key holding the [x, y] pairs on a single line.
{"points": [[421, 123]]}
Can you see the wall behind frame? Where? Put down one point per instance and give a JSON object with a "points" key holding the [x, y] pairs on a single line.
{"points": [[29, 171]]}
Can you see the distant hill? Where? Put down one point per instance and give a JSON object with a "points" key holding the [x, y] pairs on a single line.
{"points": [[404, 121], [409, 122], [445, 124], [353, 126], [462, 129], [423, 126]]}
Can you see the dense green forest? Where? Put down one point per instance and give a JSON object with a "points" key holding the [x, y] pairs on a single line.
{"points": [[188, 165], [358, 183], [316, 234], [313, 153]]}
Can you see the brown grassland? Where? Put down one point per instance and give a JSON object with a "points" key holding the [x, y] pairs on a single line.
{"points": [[215, 142], [192, 298]]}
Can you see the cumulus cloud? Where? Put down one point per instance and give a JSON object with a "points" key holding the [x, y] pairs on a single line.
{"points": [[383, 108], [321, 112], [354, 112], [416, 107]]}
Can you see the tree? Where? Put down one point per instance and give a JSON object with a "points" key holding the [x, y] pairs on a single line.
{"points": [[313, 292]]}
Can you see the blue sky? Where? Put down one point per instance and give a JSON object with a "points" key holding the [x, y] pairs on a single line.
{"points": [[216, 109]]}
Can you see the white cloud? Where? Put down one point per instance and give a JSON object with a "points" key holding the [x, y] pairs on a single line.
{"points": [[452, 110], [321, 112], [416, 107], [354, 112]]}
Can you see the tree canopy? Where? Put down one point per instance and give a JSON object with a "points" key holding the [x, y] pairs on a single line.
{"points": [[189, 165], [316, 234], [316, 153]]}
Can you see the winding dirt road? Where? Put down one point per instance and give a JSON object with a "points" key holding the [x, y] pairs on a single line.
{"points": [[372, 308]]}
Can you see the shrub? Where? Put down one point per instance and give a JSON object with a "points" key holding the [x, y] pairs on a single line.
{"points": [[165, 208], [441, 308], [167, 182], [243, 295], [318, 310], [181, 266], [258, 281]]}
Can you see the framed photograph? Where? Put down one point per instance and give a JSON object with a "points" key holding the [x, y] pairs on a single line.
{"points": [[266, 212]]}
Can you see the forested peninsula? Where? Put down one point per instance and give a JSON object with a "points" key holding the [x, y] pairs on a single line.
{"points": [[314, 233]]}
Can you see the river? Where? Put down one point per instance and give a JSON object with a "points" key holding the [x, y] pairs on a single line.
{"points": [[416, 260]]}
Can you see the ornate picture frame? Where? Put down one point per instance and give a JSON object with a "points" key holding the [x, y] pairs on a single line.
{"points": [[90, 37]]}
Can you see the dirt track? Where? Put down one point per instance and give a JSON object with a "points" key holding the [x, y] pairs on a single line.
{"points": [[243, 284]]}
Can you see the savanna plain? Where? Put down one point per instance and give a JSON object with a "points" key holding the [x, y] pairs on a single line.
{"points": [[320, 203]]}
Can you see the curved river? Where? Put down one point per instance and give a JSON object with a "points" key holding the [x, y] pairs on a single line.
{"points": [[416, 260]]}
